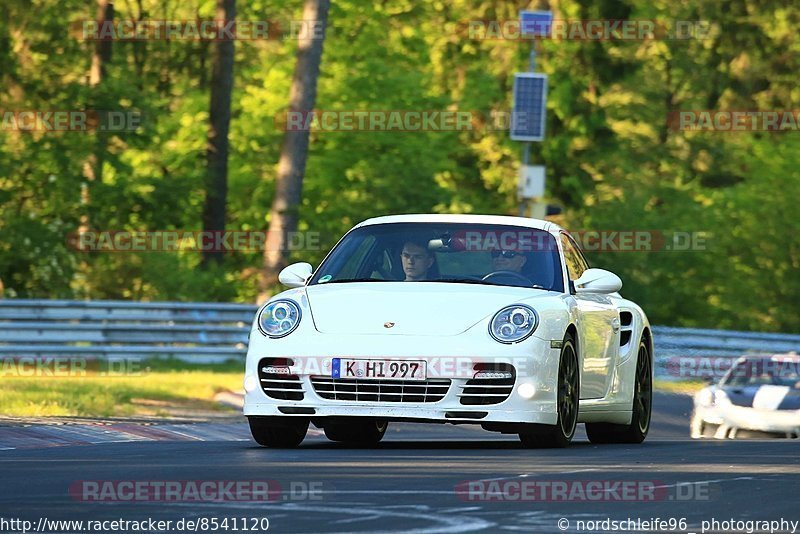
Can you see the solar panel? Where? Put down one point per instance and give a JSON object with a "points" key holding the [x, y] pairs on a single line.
{"points": [[535, 23], [530, 103]]}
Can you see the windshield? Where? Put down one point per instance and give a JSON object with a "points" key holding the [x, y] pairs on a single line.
{"points": [[452, 252], [764, 372]]}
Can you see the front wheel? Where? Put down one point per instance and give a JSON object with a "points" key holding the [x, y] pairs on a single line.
{"points": [[637, 430], [567, 399], [357, 432], [278, 432]]}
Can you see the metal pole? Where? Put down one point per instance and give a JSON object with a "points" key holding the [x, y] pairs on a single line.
{"points": [[526, 156]]}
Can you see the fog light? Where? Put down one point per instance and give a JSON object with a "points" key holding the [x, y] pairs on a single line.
{"points": [[526, 390], [502, 375], [250, 383], [276, 370]]}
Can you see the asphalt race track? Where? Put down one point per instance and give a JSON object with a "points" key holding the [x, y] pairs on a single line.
{"points": [[409, 483]]}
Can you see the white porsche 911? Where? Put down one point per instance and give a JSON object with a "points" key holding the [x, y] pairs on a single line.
{"points": [[488, 320]]}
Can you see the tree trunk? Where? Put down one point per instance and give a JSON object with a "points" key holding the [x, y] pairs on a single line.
{"points": [[219, 123], [102, 47], [294, 152], [93, 165]]}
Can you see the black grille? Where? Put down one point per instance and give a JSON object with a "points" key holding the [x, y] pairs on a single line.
{"points": [[281, 386], [359, 390], [624, 337], [626, 322], [484, 391]]}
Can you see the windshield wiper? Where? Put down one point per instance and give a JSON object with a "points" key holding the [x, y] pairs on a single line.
{"points": [[458, 281], [481, 282]]}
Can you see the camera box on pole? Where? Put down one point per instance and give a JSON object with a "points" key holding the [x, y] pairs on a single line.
{"points": [[531, 181]]}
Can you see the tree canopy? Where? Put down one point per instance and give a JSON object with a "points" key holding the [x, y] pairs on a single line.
{"points": [[613, 162]]}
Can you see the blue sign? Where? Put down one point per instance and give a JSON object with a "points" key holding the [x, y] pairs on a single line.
{"points": [[535, 23], [530, 106]]}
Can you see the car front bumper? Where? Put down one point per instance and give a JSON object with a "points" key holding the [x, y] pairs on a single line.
{"points": [[728, 421], [535, 362]]}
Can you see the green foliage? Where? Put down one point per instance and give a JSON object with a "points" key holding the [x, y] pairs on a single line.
{"points": [[612, 161]]}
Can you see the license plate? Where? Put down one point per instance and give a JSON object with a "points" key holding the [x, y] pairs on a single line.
{"points": [[378, 369]]}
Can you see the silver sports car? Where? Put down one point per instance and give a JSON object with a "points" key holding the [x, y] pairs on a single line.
{"points": [[759, 397]]}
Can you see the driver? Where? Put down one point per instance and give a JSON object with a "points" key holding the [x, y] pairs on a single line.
{"points": [[508, 260], [417, 260]]}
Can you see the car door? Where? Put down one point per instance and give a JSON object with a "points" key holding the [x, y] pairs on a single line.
{"points": [[598, 324]]}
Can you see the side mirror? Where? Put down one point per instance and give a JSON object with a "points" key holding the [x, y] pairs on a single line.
{"points": [[598, 281], [295, 275]]}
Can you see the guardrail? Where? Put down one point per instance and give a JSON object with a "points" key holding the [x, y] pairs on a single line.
{"points": [[697, 352], [209, 332], [198, 332]]}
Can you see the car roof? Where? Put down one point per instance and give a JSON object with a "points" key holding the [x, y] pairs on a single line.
{"points": [[525, 222]]}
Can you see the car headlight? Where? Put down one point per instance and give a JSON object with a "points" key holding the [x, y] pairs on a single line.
{"points": [[513, 323], [712, 397], [279, 318], [705, 397], [721, 398]]}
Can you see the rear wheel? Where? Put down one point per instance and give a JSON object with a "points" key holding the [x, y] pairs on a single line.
{"points": [[637, 430], [567, 398], [357, 431], [278, 432]]}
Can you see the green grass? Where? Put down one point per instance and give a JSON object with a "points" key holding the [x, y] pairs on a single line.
{"points": [[688, 387], [163, 387]]}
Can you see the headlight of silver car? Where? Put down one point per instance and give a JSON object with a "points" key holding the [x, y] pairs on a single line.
{"points": [[705, 397], [712, 396], [513, 323], [721, 398], [279, 318]]}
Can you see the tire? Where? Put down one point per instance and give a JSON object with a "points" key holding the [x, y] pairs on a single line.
{"points": [[697, 427], [356, 432], [567, 401], [278, 432], [637, 430]]}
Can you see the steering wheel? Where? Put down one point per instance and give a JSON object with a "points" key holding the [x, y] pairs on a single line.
{"points": [[498, 274]]}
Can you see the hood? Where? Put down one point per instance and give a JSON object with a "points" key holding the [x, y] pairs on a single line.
{"points": [[423, 308], [764, 397]]}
